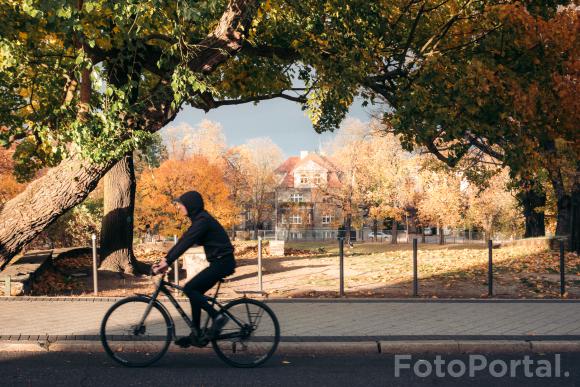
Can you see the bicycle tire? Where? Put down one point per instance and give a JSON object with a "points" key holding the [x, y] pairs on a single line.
{"points": [[150, 358], [275, 338]]}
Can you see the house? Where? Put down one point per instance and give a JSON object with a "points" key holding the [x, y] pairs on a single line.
{"points": [[302, 206]]}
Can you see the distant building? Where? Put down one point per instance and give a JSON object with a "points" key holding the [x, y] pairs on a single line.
{"points": [[302, 206]]}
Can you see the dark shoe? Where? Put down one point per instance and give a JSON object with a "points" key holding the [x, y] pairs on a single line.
{"points": [[192, 340], [219, 323]]}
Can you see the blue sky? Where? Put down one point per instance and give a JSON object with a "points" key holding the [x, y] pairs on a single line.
{"points": [[279, 119]]}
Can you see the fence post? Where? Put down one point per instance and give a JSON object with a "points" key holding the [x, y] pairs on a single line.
{"points": [[562, 270], [490, 268], [341, 261], [95, 285], [415, 271], [176, 266], [260, 264]]}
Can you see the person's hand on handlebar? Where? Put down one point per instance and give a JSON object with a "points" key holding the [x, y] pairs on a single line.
{"points": [[161, 267]]}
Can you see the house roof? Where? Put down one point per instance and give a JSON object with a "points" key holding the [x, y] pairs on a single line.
{"points": [[287, 168]]}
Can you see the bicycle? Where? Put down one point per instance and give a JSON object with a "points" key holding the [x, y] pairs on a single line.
{"points": [[143, 342]]}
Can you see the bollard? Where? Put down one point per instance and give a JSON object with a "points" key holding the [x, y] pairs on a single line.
{"points": [[415, 271], [260, 264], [490, 268], [341, 261], [176, 266], [562, 270], [95, 285]]}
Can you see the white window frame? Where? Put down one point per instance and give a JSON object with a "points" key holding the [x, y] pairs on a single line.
{"points": [[304, 179], [297, 197], [295, 219], [317, 179], [326, 219]]}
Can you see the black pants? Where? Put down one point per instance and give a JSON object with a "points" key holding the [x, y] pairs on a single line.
{"points": [[205, 280]]}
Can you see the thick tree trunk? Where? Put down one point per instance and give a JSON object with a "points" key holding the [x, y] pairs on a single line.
{"points": [[117, 224], [530, 198], [394, 232], [441, 235], [375, 229], [44, 200]]}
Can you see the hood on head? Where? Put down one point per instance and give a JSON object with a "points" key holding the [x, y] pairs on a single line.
{"points": [[192, 201]]}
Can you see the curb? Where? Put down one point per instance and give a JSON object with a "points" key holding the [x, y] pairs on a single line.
{"points": [[324, 348]]}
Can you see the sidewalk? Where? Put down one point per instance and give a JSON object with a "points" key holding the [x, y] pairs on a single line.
{"points": [[403, 324]]}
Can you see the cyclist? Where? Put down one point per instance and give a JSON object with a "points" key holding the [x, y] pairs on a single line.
{"points": [[204, 231]]}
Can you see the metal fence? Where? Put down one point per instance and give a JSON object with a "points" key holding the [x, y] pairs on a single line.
{"points": [[367, 235]]}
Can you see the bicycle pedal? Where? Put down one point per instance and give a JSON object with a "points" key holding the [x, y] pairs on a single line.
{"points": [[184, 342]]}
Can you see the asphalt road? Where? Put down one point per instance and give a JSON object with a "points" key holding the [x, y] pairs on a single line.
{"points": [[186, 369]]}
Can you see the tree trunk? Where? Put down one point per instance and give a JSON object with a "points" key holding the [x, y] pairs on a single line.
{"points": [[117, 225], [564, 206], [575, 219], [441, 235], [375, 229], [422, 234], [347, 226], [530, 198], [44, 200], [394, 232]]}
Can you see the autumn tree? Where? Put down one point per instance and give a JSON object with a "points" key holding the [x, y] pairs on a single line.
{"points": [[159, 186], [386, 178], [258, 158], [442, 203], [90, 81], [206, 139], [9, 185], [494, 207], [345, 153], [235, 178], [513, 96], [141, 82]]}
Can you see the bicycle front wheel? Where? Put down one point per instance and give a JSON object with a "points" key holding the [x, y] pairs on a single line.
{"points": [[251, 335], [135, 333]]}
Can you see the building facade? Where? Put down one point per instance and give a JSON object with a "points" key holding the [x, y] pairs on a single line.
{"points": [[303, 209]]}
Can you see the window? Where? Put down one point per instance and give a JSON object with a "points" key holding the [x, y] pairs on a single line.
{"points": [[295, 219], [303, 179], [309, 218], [317, 179], [326, 219], [296, 198]]}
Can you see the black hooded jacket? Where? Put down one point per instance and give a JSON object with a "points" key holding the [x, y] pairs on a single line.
{"points": [[204, 231]]}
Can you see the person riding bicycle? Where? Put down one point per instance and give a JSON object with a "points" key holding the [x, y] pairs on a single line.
{"points": [[204, 231]]}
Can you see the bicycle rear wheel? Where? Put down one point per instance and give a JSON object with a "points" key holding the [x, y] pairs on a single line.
{"points": [[250, 337], [133, 344]]}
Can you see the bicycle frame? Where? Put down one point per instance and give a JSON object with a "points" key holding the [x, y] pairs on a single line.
{"points": [[162, 287]]}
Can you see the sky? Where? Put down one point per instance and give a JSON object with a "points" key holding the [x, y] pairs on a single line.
{"points": [[279, 119]]}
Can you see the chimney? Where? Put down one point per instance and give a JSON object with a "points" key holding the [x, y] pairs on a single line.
{"points": [[303, 154]]}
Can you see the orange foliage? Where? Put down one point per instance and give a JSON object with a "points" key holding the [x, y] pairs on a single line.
{"points": [[9, 187], [157, 188]]}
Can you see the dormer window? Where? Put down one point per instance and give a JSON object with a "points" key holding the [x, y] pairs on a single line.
{"points": [[303, 179], [317, 179]]}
